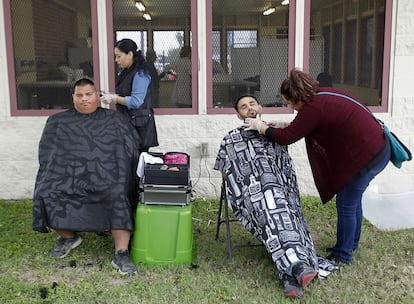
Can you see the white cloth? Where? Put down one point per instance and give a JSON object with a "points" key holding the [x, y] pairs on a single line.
{"points": [[146, 158]]}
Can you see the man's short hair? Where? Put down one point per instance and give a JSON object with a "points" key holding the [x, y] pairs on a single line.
{"points": [[82, 82], [236, 102]]}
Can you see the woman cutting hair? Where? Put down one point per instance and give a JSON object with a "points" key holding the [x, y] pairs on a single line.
{"points": [[346, 148], [133, 92]]}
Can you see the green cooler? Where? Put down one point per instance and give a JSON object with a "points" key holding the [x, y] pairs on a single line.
{"points": [[163, 235]]}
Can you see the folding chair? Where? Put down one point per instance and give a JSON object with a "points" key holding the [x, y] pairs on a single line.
{"points": [[224, 205]]}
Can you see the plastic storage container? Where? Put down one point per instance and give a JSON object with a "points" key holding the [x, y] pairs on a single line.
{"points": [[389, 203], [163, 235]]}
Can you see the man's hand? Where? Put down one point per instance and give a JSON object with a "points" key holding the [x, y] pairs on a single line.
{"points": [[253, 124], [108, 98]]}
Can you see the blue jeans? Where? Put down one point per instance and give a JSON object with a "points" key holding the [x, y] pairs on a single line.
{"points": [[349, 211]]}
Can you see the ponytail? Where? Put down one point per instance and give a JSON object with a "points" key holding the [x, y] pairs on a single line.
{"points": [[299, 86]]}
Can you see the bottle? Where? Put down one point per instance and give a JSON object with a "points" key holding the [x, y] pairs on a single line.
{"points": [[270, 201], [234, 185], [272, 241], [255, 189]]}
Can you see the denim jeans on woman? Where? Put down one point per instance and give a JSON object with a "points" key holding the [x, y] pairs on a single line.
{"points": [[349, 211]]}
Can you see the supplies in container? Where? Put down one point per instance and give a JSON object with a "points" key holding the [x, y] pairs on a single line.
{"points": [[166, 182]]}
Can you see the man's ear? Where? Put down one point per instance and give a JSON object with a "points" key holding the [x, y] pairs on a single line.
{"points": [[239, 116], [260, 109]]}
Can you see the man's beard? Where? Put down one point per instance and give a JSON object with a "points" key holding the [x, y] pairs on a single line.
{"points": [[256, 115]]}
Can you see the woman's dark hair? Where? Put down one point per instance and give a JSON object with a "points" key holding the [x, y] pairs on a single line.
{"points": [[299, 86], [128, 45]]}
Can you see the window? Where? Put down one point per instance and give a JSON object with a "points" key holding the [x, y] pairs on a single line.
{"points": [[350, 54], [249, 52], [175, 67], [50, 47], [139, 37], [241, 39], [167, 46], [164, 29], [337, 54], [354, 54], [326, 36], [366, 51]]}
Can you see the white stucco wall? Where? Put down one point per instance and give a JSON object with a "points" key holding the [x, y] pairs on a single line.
{"points": [[186, 133], [400, 118], [19, 136]]}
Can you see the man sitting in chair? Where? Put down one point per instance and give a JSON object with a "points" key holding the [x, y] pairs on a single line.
{"points": [[264, 196], [86, 182]]}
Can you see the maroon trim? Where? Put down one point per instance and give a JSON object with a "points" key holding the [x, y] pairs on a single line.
{"points": [[386, 59], [209, 55], [306, 37], [110, 45], [95, 44], [14, 111], [194, 60]]}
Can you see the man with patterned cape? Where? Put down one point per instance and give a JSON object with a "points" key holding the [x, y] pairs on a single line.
{"points": [[87, 159], [263, 193]]}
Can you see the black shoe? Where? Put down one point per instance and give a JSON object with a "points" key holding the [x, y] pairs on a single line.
{"points": [[291, 287], [336, 260], [303, 273], [64, 246], [331, 249], [123, 263]]}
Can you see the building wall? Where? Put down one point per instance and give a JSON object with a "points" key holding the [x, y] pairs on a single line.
{"points": [[401, 113], [19, 136]]}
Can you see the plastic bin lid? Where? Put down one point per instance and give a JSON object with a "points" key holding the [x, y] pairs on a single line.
{"points": [[394, 185]]}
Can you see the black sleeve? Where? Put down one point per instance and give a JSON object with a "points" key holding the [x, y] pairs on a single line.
{"points": [[268, 133]]}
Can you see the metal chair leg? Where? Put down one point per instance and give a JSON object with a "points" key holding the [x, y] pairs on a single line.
{"points": [[219, 221], [227, 220]]}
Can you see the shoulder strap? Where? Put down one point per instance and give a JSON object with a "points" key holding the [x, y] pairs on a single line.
{"points": [[354, 101], [346, 97]]}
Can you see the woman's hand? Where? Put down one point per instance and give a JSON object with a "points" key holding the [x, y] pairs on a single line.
{"points": [[253, 124], [108, 98], [277, 124]]}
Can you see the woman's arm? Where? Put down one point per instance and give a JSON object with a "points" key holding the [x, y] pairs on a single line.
{"points": [[306, 120], [140, 85]]}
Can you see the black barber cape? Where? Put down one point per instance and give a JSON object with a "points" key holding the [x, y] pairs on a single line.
{"points": [[86, 172]]}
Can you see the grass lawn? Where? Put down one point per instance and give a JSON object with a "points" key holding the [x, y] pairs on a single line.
{"points": [[382, 272]]}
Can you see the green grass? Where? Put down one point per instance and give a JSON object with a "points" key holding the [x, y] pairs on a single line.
{"points": [[383, 271]]}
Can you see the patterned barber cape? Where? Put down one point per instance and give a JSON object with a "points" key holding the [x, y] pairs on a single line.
{"points": [[263, 193]]}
